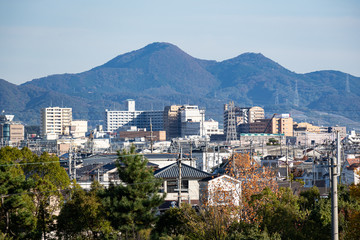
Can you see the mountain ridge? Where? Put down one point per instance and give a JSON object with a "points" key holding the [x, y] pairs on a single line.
{"points": [[161, 74]]}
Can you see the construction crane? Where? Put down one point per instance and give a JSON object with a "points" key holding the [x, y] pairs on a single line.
{"points": [[267, 126]]}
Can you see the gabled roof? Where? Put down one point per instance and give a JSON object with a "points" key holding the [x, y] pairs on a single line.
{"points": [[228, 178], [351, 161], [353, 166], [172, 171]]}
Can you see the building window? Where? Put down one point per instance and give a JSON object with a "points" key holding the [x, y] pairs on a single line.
{"points": [[172, 186], [222, 196]]}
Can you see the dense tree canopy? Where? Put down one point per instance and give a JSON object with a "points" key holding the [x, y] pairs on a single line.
{"points": [[132, 205], [31, 192], [34, 188]]}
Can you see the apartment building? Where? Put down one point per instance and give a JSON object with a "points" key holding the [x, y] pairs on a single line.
{"points": [[141, 119], [55, 121], [281, 124], [243, 115], [188, 120], [192, 120]]}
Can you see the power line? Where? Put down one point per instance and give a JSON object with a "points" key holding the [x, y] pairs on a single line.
{"points": [[36, 163], [69, 189]]}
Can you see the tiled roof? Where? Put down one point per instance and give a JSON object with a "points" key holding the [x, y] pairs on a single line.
{"points": [[354, 166], [351, 161], [172, 171]]}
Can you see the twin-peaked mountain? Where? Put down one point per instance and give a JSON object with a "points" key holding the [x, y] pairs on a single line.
{"points": [[161, 74]]}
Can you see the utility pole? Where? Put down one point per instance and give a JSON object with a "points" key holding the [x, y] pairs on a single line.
{"points": [[206, 157], [214, 161], [151, 137], [334, 195], [251, 141], [98, 174], [233, 163], [179, 180], [190, 149], [70, 160], [287, 164], [218, 160], [75, 157]]}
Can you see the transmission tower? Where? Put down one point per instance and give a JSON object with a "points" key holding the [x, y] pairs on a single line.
{"points": [[296, 95], [347, 89], [231, 124], [277, 97]]}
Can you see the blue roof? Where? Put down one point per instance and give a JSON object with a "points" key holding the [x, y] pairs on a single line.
{"points": [[172, 171]]}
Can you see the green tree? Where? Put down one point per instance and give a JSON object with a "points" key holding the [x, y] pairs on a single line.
{"points": [[83, 216], [16, 212], [249, 231], [132, 205], [309, 198], [280, 213], [318, 222], [49, 179], [175, 222], [354, 218]]}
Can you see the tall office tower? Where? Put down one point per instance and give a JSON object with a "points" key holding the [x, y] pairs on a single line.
{"points": [[172, 121], [55, 121]]}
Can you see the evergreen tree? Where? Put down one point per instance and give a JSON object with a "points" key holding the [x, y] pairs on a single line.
{"points": [[49, 179], [83, 216], [16, 206], [133, 203]]}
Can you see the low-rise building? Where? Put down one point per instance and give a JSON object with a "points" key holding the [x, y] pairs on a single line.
{"points": [[11, 132], [220, 190], [131, 135], [190, 187]]}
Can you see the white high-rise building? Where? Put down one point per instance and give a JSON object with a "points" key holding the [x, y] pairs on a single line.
{"points": [[192, 119], [55, 121], [141, 119]]}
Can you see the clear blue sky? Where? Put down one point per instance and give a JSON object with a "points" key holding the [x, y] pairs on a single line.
{"points": [[44, 37]]}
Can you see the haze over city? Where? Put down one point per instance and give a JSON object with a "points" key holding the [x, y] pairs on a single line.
{"points": [[40, 38]]}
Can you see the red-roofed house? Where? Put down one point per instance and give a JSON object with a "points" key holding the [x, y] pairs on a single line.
{"points": [[351, 171]]}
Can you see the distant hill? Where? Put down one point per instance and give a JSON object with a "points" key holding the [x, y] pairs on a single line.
{"points": [[161, 74]]}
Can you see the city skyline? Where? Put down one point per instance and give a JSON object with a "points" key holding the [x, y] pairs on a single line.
{"points": [[40, 38]]}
